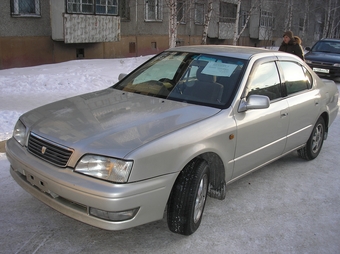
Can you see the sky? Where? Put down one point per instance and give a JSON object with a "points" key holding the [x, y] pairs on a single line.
{"points": [[23, 89]]}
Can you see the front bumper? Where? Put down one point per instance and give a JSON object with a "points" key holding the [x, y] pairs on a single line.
{"points": [[74, 194]]}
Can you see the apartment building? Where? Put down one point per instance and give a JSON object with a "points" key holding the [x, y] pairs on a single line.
{"points": [[34, 32]]}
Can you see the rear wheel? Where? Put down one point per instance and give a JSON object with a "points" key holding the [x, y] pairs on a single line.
{"points": [[315, 141], [188, 197]]}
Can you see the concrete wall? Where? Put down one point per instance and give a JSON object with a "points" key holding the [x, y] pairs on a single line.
{"points": [[24, 26], [25, 51], [25, 41]]}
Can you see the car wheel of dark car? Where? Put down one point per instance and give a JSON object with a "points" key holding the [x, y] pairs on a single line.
{"points": [[315, 141], [188, 197]]}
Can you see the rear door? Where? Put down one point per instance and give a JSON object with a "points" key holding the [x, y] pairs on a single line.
{"points": [[303, 102]]}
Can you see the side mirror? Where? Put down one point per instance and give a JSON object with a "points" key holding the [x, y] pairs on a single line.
{"points": [[254, 101], [307, 48], [121, 76]]}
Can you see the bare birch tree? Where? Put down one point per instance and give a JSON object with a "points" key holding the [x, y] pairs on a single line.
{"points": [[305, 19], [327, 20], [237, 21], [172, 4], [206, 23], [237, 34], [288, 21]]}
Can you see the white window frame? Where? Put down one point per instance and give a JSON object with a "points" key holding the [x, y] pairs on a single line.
{"points": [[79, 3], [16, 9], [82, 3], [267, 19], [158, 13], [108, 4]]}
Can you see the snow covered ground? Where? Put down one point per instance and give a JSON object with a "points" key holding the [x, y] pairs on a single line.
{"points": [[22, 89]]}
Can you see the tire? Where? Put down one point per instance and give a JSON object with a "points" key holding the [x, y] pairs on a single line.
{"points": [[315, 141], [188, 197]]}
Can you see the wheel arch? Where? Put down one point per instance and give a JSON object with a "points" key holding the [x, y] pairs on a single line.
{"points": [[217, 183], [325, 117]]}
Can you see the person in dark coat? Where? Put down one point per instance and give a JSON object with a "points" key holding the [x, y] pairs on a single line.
{"points": [[292, 44]]}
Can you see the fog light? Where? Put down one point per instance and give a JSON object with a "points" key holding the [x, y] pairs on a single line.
{"points": [[114, 216]]}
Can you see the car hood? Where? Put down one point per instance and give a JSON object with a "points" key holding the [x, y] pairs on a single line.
{"points": [[323, 57], [111, 122]]}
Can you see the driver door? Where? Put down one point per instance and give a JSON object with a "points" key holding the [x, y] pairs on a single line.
{"points": [[261, 133]]}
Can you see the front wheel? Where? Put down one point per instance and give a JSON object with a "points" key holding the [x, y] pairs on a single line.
{"points": [[315, 141], [188, 197]]}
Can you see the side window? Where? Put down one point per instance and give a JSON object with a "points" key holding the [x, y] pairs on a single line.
{"points": [[25, 8], [297, 78], [265, 80], [309, 77]]}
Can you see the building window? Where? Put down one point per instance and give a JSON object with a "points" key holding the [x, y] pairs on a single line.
{"points": [[181, 12], [228, 12], [132, 47], [199, 14], [244, 17], [80, 53], [124, 10], [153, 45], [153, 10], [25, 7], [80, 6], [267, 19], [301, 24], [105, 7]]}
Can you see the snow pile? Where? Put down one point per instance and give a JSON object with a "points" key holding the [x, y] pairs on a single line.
{"points": [[22, 89]]}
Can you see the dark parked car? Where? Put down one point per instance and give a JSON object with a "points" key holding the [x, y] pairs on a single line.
{"points": [[324, 58]]}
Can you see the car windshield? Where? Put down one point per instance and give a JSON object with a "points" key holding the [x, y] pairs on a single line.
{"points": [[327, 46], [187, 77]]}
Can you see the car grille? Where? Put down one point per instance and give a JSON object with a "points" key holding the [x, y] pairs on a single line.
{"points": [[49, 151], [322, 63]]}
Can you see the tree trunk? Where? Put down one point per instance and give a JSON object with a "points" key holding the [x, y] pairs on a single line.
{"points": [[288, 22], [172, 23], [305, 19], [237, 21], [206, 24], [327, 20]]}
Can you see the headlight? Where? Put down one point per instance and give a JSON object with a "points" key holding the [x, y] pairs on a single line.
{"points": [[336, 65], [19, 132], [105, 168], [308, 61]]}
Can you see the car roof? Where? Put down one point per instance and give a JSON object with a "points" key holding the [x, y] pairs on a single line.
{"points": [[241, 52]]}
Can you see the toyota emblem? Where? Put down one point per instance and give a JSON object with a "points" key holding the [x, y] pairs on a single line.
{"points": [[43, 149]]}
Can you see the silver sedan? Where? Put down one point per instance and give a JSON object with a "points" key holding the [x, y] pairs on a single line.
{"points": [[177, 129]]}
